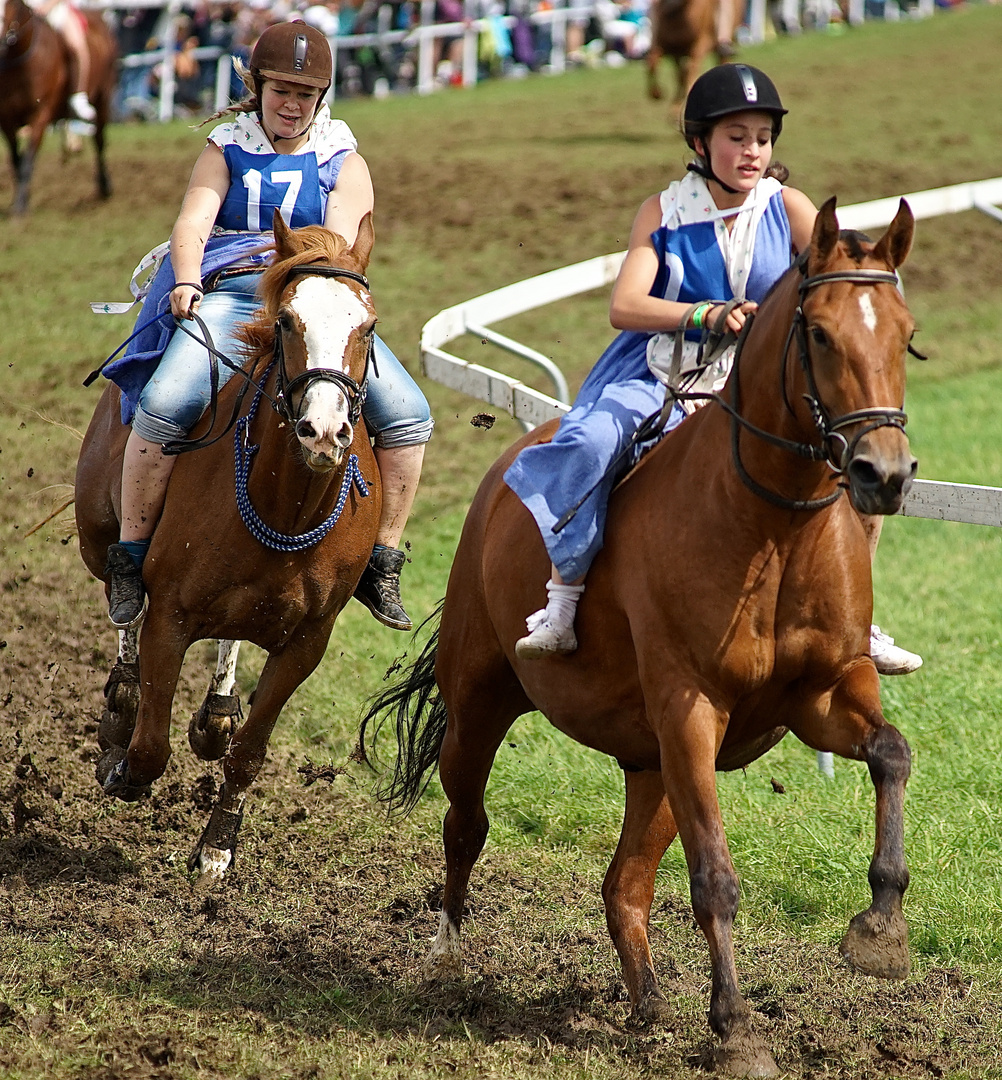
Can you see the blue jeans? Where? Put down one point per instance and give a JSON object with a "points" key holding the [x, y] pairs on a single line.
{"points": [[396, 412]]}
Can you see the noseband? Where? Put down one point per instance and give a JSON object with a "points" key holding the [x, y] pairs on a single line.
{"points": [[830, 429], [353, 391]]}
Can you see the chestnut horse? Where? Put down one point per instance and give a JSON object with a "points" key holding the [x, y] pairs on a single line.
{"points": [[688, 31], [730, 604], [263, 536], [36, 80]]}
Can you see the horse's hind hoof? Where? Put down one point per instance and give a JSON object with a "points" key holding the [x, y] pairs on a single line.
{"points": [[212, 727], [112, 773], [217, 846], [745, 1054], [652, 1009], [876, 944]]}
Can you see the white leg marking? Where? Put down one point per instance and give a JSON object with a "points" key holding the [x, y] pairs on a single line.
{"points": [[212, 865], [445, 961], [869, 315], [226, 668]]}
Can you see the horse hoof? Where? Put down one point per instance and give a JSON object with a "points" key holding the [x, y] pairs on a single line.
{"points": [[877, 944], [212, 727], [442, 968], [115, 730], [745, 1054], [217, 846], [211, 864], [121, 697], [652, 1009], [112, 773]]}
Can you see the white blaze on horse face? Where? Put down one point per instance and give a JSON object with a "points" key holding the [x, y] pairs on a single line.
{"points": [[869, 314], [330, 312]]}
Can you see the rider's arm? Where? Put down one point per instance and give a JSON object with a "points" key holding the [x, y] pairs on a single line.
{"points": [[351, 198], [632, 307], [801, 213], [210, 179]]}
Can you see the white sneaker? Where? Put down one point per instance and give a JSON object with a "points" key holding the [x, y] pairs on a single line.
{"points": [[546, 639], [81, 107], [891, 659]]}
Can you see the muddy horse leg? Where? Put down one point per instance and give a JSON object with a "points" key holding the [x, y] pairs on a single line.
{"points": [[219, 714], [283, 672], [628, 890], [130, 775], [480, 715], [121, 694], [689, 750], [876, 942]]}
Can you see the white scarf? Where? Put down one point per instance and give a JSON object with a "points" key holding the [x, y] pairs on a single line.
{"points": [[327, 136]]}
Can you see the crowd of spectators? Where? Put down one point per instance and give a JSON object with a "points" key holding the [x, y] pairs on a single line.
{"points": [[510, 40], [509, 43]]}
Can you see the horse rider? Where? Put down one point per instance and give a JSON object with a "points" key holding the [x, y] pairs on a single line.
{"points": [[281, 149], [69, 23], [728, 229]]}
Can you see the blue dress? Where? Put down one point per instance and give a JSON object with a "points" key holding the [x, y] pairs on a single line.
{"points": [[697, 262]]}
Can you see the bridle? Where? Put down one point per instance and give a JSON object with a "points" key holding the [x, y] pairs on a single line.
{"points": [[835, 448], [354, 391]]}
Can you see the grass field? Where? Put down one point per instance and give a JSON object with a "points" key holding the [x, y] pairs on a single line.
{"points": [[306, 962]]}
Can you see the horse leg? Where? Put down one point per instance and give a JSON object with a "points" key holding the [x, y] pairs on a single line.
{"points": [[689, 744], [121, 694], [101, 171], [283, 672], [480, 714], [217, 718], [853, 726], [129, 775], [628, 889], [27, 164], [686, 70], [654, 55]]}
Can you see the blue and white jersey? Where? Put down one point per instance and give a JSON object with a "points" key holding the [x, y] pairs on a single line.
{"points": [[700, 259], [262, 181]]}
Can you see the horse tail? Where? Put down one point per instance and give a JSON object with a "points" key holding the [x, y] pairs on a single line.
{"points": [[419, 714]]}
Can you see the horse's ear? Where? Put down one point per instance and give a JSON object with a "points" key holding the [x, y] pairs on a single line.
{"points": [[893, 247], [825, 235], [283, 235], [366, 237]]}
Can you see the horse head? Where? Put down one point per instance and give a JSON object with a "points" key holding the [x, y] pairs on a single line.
{"points": [[324, 322], [854, 332]]}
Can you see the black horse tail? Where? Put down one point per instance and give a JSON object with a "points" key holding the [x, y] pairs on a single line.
{"points": [[419, 713]]}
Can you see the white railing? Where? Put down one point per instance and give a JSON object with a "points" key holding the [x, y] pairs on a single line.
{"points": [[927, 498]]}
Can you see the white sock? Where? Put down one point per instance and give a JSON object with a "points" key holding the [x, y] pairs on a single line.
{"points": [[562, 603]]}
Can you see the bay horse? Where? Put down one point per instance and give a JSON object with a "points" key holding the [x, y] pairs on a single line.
{"points": [[269, 553], [36, 80], [730, 605], [689, 31]]}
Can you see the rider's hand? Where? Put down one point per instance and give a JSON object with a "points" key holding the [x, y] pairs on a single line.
{"points": [[735, 320], [185, 300]]}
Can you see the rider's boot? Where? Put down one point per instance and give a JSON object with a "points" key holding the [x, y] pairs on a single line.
{"points": [[891, 659], [81, 107], [379, 587], [551, 629], [127, 596]]}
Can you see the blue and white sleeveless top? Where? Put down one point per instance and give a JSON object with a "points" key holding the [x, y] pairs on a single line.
{"points": [[701, 260], [262, 180]]}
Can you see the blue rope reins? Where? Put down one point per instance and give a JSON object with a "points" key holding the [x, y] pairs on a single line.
{"points": [[244, 452]]}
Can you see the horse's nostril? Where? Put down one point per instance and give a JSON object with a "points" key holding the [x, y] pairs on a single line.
{"points": [[305, 430], [863, 473], [344, 435]]}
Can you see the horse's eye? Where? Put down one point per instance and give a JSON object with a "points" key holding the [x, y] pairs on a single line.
{"points": [[285, 321], [819, 336]]}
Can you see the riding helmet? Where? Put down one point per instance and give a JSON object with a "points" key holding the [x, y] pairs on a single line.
{"points": [[293, 52], [730, 88]]}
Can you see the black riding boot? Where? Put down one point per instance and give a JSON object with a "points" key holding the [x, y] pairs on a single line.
{"points": [[127, 599], [379, 587]]}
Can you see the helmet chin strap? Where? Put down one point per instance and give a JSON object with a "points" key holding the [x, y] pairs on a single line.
{"points": [[707, 173]]}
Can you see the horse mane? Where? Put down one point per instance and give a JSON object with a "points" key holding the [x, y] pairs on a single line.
{"points": [[310, 244]]}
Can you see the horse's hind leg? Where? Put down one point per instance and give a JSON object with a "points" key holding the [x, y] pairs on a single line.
{"points": [[480, 711], [628, 890], [654, 55], [219, 714], [101, 170]]}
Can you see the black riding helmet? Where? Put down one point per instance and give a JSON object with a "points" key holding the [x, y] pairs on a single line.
{"points": [[726, 89]]}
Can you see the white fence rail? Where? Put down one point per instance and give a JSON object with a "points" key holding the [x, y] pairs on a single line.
{"points": [[927, 498]]}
